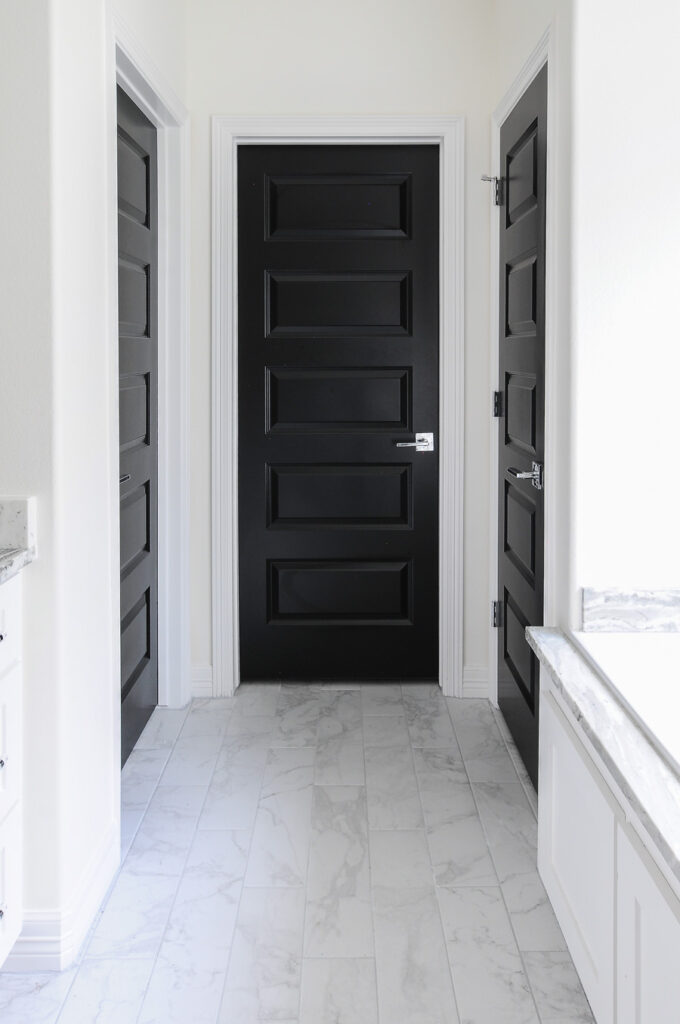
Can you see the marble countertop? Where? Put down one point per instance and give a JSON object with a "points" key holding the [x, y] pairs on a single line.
{"points": [[645, 771], [18, 544]]}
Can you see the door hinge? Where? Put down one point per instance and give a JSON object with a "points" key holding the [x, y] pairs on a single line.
{"points": [[497, 188], [496, 614], [497, 403]]}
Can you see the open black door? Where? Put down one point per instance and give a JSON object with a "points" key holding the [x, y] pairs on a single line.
{"points": [[138, 358], [522, 407]]}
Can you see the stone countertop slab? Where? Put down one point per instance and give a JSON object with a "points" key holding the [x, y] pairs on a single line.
{"points": [[647, 779], [616, 610], [18, 543]]}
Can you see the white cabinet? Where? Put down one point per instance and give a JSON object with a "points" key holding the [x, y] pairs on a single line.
{"points": [[648, 940], [619, 915], [576, 850], [10, 765]]}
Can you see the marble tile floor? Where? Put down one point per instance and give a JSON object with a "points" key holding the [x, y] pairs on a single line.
{"points": [[320, 855]]}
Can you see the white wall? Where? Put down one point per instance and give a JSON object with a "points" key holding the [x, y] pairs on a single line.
{"points": [[58, 422], [306, 57], [626, 271]]}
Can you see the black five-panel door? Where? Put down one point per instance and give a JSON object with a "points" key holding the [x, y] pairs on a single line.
{"points": [[138, 341], [338, 304], [521, 426]]}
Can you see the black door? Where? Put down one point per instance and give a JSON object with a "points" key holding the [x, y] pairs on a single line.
{"points": [[138, 351], [521, 425], [338, 360]]}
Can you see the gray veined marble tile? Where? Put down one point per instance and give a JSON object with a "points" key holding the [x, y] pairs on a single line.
{"points": [[34, 998], [381, 699], [163, 839], [282, 831], [106, 992], [256, 699], [263, 979], [440, 766], [338, 917], [162, 729], [177, 994], [510, 827], [482, 746], [201, 926], [247, 741], [489, 980], [209, 717], [429, 724], [458, 848], [233, 795], [531, 913], [338, 992], [297, 717], [400, 859], [134, 918], [140, 776], [391, 788], [192, 761], [557, 989], [385, 731], [422, 691], [340, 746], [414, 981]]}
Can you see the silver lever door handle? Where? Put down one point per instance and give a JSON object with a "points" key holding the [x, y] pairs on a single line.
{"points": [[535, 475], [422, 443]]}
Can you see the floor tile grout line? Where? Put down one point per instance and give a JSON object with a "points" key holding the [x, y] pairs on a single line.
{"points": [[245, 870], [434, 879], [370, 866], [495, 867], [309, 857], [82, 955], [186, 859]]}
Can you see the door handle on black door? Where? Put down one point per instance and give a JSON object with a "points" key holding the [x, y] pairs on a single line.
{"points": [[422, 443], [536, 475]]}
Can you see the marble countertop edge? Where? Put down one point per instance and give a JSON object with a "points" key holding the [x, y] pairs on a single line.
{"points": [[647, 781], [13, 560]]}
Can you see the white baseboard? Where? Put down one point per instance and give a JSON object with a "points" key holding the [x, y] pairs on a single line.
{"points": [[50, 940], [202, 681], [475, 681]]}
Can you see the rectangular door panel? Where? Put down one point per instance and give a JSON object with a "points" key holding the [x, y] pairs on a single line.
{"points": [[338, 246], [337, 305], [339, 496], [338, 206], [338, 399]]}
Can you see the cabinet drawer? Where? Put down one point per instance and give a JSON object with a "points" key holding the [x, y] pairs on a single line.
{"points": [[10, 623], [10, 881], [10, 739]]}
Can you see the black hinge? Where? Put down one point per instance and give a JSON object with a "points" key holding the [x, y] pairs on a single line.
{"points": [[498, 191], [497, 613], [498, 403]]}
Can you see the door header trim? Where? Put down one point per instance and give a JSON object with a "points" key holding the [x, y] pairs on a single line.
{"points": [[228, 133]]}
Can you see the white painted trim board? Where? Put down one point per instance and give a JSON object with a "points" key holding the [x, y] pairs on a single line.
{"points": [[228, 134]]}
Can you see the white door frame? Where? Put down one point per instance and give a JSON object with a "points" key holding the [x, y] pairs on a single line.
{"points": [[228, 134], [543, 53], [136, 73]]}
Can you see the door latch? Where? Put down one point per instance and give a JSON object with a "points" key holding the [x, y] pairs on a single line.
{"points": [[422, 443], [536, 475]]}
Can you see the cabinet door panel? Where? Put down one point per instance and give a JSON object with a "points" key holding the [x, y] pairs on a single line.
{"points": [[648, 980], [10, 739], [576, 856], [10, 881]]}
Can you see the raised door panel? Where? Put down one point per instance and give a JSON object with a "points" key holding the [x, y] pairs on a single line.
{"points": [[10, 739], [576, 855], [10, 624], [648, 940]]}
